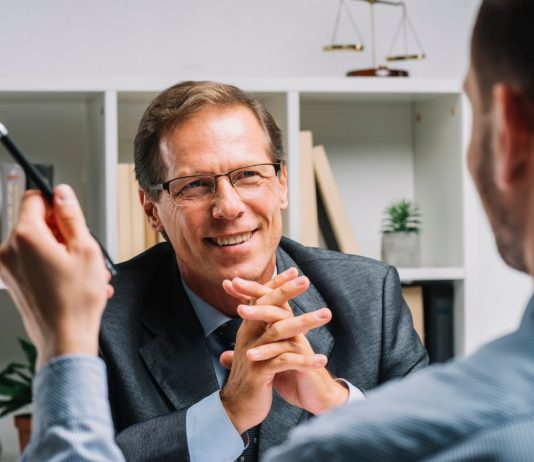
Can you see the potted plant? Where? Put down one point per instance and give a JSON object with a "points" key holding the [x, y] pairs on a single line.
{"points": [[16, 391], [401, 226]]}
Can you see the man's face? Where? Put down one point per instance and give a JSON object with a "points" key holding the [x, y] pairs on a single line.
{"points": [[218, 140], [501, 209]]}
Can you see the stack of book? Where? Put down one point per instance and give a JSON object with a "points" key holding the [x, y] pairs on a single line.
{"points": [[323, 221], [134, 232], [13, 184], [13, 187]]}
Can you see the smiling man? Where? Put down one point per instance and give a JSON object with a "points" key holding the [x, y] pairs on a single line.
{"points": [[209, 161]]}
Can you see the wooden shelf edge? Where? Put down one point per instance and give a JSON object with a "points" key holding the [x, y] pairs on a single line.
{"points": [[408, 275]]}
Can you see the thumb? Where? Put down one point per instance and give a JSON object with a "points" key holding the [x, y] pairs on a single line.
{"points": [[226, 359], [68, 214]]}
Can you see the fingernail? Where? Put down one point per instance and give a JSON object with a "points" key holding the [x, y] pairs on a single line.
{"points": [[254, 353], [299, 282], [320, 360], [322, 314], [247, 309], [64, 193]]}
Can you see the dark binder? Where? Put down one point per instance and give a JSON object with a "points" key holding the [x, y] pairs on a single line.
{"points": [[438, 301]]}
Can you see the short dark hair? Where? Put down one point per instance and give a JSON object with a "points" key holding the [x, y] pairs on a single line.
{"points": [[175, 106], [501, 49]]}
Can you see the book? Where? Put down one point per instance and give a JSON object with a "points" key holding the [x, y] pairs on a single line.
{"points": [[13, 187], [333, 219], [327, 238], [309, 224], [124, 219], [438, 302], [134, 232], [413, 296], [137, 230]]}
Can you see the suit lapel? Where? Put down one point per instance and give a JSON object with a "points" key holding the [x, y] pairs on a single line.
{"points": [[177, 356], [283, 416]]}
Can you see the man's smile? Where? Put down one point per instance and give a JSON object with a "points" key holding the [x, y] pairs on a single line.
{"points": [[233, 239]]}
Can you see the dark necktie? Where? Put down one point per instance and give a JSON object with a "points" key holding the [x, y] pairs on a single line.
{"points": [[226, 335]]}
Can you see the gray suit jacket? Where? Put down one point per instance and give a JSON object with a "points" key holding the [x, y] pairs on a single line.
{"points": [[159, 364], [475, 409]]}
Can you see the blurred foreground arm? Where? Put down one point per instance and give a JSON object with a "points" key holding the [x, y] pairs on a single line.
{"points": [[55, 273]]}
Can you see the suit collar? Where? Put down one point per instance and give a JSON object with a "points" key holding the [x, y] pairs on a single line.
{"points": [[527, 322]]}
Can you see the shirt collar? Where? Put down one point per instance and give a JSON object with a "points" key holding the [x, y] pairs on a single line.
{"points": [[210, 317]]}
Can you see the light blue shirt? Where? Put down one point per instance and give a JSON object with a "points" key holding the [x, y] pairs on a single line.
{"points": [[210, 433], [71, 415]]}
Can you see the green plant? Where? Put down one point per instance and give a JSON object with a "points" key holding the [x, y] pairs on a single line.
{"points": [[401, 216], [16, 381]]}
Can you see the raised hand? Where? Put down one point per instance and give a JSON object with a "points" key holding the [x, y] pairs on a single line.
{"points": [[247, 395], [314, 390], [55, 273]]}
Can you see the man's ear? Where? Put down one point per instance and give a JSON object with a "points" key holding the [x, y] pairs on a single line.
{"points": [[283, 187], [151, 211], [513, 135]]}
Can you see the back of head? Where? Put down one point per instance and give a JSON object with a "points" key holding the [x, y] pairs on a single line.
{"points": [[178, 104], [500, 158], [502, 50]]}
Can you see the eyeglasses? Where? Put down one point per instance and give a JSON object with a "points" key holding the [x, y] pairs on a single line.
{"points": [[197, 189]]}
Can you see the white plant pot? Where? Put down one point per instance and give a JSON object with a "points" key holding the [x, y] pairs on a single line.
{"points": [[401, 249]]}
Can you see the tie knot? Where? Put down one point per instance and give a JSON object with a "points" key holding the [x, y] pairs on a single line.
{"points": [[228, 332]]}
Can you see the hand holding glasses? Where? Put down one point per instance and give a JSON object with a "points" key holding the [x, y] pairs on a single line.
{"points": [[42, 185]]}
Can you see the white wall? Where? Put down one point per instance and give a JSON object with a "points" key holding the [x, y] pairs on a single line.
{"points": [[215, 38]]}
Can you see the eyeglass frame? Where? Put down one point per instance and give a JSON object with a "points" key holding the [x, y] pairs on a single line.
{"points": [[165, 185]]}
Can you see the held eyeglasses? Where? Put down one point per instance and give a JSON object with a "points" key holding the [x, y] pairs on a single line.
{"points": [[248, 181]]}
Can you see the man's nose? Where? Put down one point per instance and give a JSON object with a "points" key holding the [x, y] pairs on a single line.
{"points": [[227, 203]]}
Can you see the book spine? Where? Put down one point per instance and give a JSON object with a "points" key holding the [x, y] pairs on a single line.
{"points": [[438, 301], [331, 207], [413, 296], [13, 187]]}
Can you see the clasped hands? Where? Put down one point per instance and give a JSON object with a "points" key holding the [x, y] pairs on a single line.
{"points": [[272, 352]]}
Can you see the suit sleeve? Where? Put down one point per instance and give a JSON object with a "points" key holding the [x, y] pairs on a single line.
{"points": [[159, 439], [402, 350]]}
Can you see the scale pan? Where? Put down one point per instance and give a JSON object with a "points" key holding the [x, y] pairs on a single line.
{"points": [[344, 47], [415, 57], [380, 71]]}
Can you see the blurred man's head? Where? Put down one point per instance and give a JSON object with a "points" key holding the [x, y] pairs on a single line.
{"points": [[500, 85]]}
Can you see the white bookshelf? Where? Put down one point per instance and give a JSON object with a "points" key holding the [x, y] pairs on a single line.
{"points": [[386, 139]]}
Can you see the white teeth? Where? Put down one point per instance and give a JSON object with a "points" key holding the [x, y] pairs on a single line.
{"points": [[232, 240]]}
